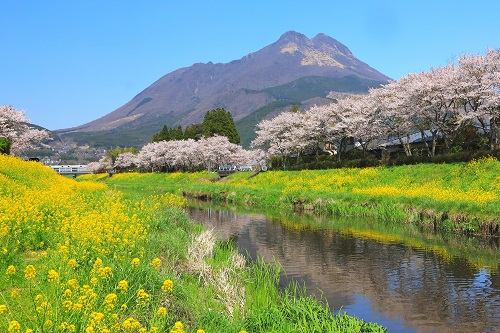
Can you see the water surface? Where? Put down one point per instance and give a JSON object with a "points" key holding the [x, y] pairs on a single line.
{"points": [[372, 275]]}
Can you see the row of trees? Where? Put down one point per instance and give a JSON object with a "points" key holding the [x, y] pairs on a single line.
{"points": [[216, 122], [437, 104], [180, 155], [16, 135]]}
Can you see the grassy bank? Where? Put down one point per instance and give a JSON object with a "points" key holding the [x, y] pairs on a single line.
{"points": [[82, 257], [462, 197]]}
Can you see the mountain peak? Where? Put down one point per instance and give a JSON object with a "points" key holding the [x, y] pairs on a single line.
{"points": [[322, 40], [293, 37], [322, 50], [241, 86]]}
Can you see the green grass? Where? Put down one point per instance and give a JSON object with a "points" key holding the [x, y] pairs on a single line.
{"points": [[462, 197], [267, 308]]}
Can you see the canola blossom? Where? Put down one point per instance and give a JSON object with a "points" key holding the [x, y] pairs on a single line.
{"points": [[71, 254], [471, 189]]}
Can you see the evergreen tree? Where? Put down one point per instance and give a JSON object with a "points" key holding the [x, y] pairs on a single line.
{"points": [[176, 133], [193, 131], [217, 121], [163, 135], [220, 121]]}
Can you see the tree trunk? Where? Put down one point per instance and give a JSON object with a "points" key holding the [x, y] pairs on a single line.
{"points": [[422, 134], [406, 146], [494, 135]]}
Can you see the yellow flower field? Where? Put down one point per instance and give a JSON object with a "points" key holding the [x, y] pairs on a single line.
{"points": [[73, 255]]}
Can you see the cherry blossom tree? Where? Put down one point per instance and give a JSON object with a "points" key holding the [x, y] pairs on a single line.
{"points": [[393, 116], [100, 166], [360, 119], [189, 155], [319, 124], [15, 127], [282, 135], [126, 160], [478, 90]]}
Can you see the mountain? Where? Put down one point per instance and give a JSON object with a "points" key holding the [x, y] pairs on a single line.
{"points": [[295, 70]]}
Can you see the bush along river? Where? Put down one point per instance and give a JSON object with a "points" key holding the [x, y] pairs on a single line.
{"points": [[402, 277]]}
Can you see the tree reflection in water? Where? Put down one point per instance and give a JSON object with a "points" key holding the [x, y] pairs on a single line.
{"points": [[403, 287]]}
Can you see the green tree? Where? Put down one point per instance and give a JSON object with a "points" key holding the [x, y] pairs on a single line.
{"points": [[193, 131], [163, 135], [168, 134], [4, 146], [220, 121], [176, 133]]}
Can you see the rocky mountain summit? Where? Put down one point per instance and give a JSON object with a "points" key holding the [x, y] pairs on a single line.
{"points": [[291, 71]]}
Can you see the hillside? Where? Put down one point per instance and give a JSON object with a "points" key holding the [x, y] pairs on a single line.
{"points": [[295, 70]]}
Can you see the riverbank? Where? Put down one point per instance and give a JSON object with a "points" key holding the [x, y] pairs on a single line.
{"points": [[462, 198], [82, 257]]}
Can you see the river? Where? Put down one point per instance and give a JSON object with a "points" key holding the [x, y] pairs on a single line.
{"points": [[372, 275]]}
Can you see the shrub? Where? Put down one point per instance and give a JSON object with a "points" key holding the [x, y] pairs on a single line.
{"points": [[4, 146]]}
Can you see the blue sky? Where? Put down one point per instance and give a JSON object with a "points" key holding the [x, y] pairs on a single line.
{"points": [[69, 62]]}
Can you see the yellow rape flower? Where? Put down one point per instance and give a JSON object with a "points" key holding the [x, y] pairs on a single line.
{"points": [[136, 262], [130, 324], [200, 331], [162, 311], [15, 293], [156, 263], [30, 272], [167, 286], [3, 308], [98, 263], [96, 317], [179, 328], [110, 300], [53, 275], [77, 306], [63, 249], [14, 327], [73, 283], [72, 263], [43, 307], [104, 272], [65, 326], [94, 281], [11, 270], [67, 305], [122, 286], [142, 297]]}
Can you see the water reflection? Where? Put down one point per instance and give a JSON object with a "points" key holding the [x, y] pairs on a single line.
{"points": [[404, 288]]}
